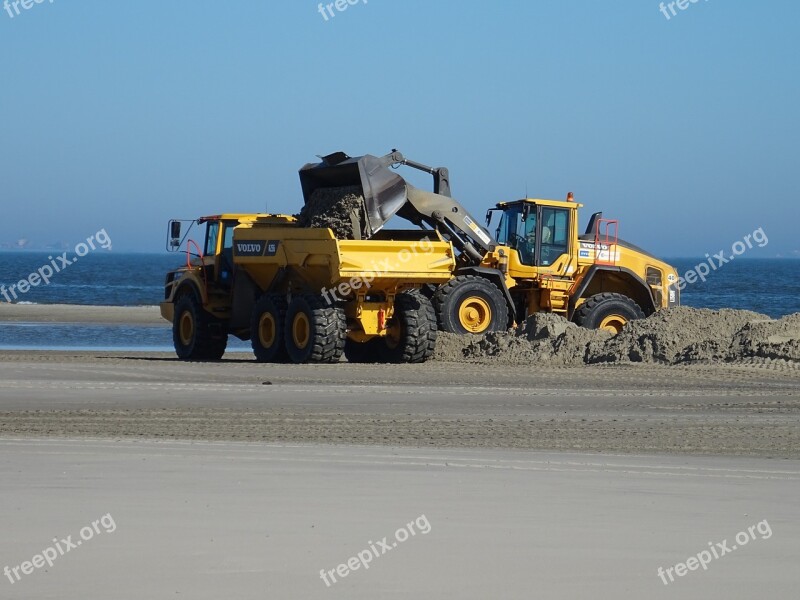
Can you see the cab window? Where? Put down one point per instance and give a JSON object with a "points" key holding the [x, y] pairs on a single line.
{"points": [[212, 234], [554, 234], [518, 232]]}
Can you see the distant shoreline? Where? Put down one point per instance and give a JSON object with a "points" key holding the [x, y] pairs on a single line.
{"points": [[74, 313]]}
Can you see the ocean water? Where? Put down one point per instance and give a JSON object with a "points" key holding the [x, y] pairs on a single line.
{"points": [[768, 286]]}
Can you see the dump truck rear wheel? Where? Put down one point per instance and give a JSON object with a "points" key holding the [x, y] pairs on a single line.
{"points": [[314, 330], [607, 311], [267, 329], [411, 332], [470, 304], [192, 335]]}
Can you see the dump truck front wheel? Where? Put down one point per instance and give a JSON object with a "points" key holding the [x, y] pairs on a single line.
{"points": [[607, 311], [192, 331], [411, 332], [470, 304], [267, 325], [314, 330]]}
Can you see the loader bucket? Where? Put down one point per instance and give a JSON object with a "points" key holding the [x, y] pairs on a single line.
{"points": [[384, 191]]}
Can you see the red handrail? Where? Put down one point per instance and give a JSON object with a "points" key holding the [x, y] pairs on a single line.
{"points": [[189, 244]]}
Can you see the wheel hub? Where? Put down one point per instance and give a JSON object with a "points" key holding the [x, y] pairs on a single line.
{"points": [[613, 323], [301, 329], [266, 330], [475, 314], [186, 328]]}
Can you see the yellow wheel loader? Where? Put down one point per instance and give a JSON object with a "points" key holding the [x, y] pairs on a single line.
{"points": [[536, 259], [301, 295]]}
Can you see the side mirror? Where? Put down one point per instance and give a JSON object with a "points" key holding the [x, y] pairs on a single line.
{"points": [[174, 234]]}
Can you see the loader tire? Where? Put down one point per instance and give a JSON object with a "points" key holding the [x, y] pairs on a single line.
{"points": [[267, 325], [363, 352], [607, 311], [315, 331], [411, 332], [193, 331], [470, 305]]}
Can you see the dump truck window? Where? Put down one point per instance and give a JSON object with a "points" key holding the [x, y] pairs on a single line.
{"points": [[227, 239], [212, 233]]}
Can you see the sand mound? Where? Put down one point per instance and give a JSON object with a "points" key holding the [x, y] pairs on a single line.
{"points": [[338, 208], [680, 335]]}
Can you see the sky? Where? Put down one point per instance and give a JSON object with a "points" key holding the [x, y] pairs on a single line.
{"points": [[122, 115]]}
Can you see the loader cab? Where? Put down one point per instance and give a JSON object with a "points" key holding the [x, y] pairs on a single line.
{"points": [[539, 230]]}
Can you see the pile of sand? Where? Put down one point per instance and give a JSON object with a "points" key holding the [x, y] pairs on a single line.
{"points": [[338, 208], [679, 335]]}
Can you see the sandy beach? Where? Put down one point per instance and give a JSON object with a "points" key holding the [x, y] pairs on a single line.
{"points": [[249, 479], [68, 313]]}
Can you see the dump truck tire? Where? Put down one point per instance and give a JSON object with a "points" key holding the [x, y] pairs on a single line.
{"points": [[267, 325], [470, 305], [607, 311], [315, 331], [363, 352], [191, 332], [411, 332]]}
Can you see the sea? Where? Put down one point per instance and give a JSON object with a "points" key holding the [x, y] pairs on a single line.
{"points": [[768, 286]]}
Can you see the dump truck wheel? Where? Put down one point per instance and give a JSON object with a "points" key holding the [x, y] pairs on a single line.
{"points": [[267, 329], [607, 311], [411, 332], [470, 304], [315, 331], [191, 332]]}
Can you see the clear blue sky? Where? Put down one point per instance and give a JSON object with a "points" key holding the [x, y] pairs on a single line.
{"points": [[120, 115]]}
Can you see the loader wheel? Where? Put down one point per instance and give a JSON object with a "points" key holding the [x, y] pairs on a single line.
{"points": [[607, 311], [411, 332], [267, 329], [315, 330], [470, 304], [193, 333]]}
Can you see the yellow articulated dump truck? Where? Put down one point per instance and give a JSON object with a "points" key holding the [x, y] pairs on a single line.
{"points": [[301, 295]]}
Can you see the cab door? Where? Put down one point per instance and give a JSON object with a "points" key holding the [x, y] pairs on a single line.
{"points": [[553, 238]]}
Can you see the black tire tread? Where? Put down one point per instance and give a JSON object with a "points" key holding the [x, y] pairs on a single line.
{"points": [[207, 346], [329, 330], [445, 296], [279, 304], [588, 308], [419, 327]]}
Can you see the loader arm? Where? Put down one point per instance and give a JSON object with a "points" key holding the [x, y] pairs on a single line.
{"points": [[387, 194]]}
